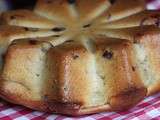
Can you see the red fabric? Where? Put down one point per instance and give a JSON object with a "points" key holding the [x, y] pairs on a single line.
{"points": [[146, 110]]}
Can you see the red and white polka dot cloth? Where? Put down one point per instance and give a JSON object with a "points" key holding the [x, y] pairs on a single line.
{"points": [[146, 110]]}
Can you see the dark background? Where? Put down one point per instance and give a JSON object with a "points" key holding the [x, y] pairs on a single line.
{"points": [[18, 4]]}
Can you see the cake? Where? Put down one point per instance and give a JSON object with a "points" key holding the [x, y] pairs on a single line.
{"points": [[78, 57]]}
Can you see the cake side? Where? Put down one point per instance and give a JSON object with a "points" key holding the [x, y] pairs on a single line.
{"points": [[75, 79], [23, 71], [147, 52]]}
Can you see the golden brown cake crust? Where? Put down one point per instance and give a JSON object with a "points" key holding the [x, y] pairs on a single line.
{"points": [[65, 55], [150, 40], [78, 57], [74, 109]]}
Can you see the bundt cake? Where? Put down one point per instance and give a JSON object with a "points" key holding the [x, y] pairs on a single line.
{"points": [[78, 57]]}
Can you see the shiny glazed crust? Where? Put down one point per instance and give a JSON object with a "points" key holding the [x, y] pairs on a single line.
{"points": [[59, 58]]}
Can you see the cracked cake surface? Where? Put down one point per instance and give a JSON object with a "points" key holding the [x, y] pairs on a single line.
{"points": [[80, 57]]}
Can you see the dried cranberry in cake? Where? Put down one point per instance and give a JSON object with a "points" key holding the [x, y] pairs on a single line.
{"points": [[13, 17], [112, 1], [71, 1], [86, 26], [158, 22], [58, 29], [33, 42], [75, 57], [108, 54]]}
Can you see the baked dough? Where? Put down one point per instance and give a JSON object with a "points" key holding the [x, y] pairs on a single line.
{"points": [[80, 57]]}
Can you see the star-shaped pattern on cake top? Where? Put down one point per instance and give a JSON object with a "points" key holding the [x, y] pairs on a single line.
{"points": [[79, 20]]}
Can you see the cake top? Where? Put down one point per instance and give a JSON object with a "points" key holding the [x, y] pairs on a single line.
{"points": [[58, 21]]}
